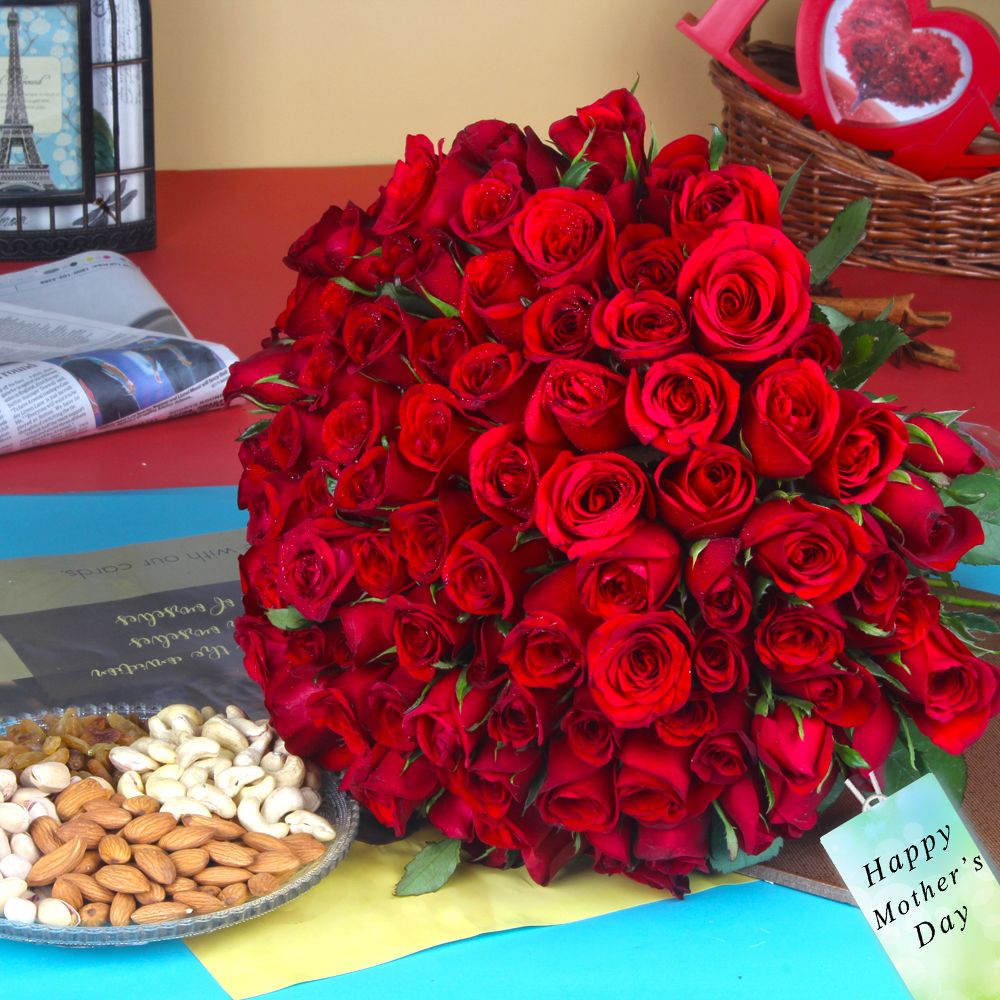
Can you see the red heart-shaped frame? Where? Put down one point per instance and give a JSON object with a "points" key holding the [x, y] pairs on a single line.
{"points": [[935, 145]]}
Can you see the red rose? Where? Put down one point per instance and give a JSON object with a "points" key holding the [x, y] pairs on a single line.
{"points": [[445, 726], [879, 588], [742, 803], [434, 433], [587, 503], [580, 404], [436, 346], [543, 651], [497, 780], [314, 568], [589, 734], [645, 257], [259, 577], [557, 325], [361, 486], [868, 445], [708, 494], [564, 236], [348, 430], [907, 624], [245, 378], [789, 418], [843, 695], [818, 343], [294, 436], [800, 749], [340, 704], [720, 585], [720, 662], [286, 699], [612, 130], [640, 326], [330, 246], [423, 532], [681, 404], [269, 499], [637, 574], [402, 199], [639, 667], [389, 787], [372, 333], [426, 631], [672, 851], [389, 700], [875, 738], [670, 169], [713, 198], [488, 206], [951, 455], [487, 572], [493, 380], [815, 553], [493, 289], [691, 721], [793, 638], [928, 533], [378, 568], [747, 291], [951, 694], [522, 717], [575, 794], [315, 309], [721, 758]]}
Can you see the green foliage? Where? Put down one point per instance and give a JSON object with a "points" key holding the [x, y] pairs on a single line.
{"points": [[915, 755], [846, 232], [981, 494], [724, 854], [288, 619], [789, 187], [104, 145], [431, 868], [867, 346]]}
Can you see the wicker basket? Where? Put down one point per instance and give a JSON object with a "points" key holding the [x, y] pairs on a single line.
{"points": [[945, 227]]}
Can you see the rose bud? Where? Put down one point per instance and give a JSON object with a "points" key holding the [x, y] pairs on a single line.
{"points": [[493, 381], [742, 803], [720, 585], [426, 631], [434, 434], [645, 257], [497, 781], [488, 207], [926, 532], [818, 343], [330, 246], [436, 346], [543, 651], [789, 418], [681, 404], [372, 332], [272, 501], [575, 794], [444, 725], [867, 446], [315, 309], [951, 455], [842, 694], [708, 494], [679, 849], [802, 760], [423, 533], [403, 198], [522, 717], [720, 662], [640, 326], [589, 734], [557, 325], [671, 167], [315, 567], [245, 379], [493, 288], [690, 722]]}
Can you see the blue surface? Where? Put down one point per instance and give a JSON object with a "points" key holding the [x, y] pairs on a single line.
{"points": [[757, 942]]}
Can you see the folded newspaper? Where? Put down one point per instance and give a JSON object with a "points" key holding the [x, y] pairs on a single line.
{"points": [[87, 345]]}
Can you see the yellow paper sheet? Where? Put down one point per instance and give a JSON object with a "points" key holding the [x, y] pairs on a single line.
{"points": [[352, 921]]}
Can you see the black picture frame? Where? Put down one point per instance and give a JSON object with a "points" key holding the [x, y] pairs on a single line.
{"points": [[85, 192]]}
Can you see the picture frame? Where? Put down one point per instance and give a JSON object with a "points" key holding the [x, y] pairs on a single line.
{"points": [[116, 210], [46, 137]]}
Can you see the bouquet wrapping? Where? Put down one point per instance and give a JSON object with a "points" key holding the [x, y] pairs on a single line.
{"points": [[570, 527]]}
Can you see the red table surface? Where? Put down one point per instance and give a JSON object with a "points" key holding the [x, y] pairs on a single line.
{"points": [[222, 236]]}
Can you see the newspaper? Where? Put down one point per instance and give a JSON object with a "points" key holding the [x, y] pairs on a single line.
{"points": [[106, 352]]}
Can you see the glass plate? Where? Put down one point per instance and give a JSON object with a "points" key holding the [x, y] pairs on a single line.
{"points": [[338, 808]]}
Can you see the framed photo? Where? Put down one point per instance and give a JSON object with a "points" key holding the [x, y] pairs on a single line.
{"points": [[46, 132]]}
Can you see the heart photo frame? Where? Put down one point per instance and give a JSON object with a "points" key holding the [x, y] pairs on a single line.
{"points": [[894, 77]]}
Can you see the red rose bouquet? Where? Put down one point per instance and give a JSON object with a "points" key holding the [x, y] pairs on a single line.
{"points": [[570, 528]]}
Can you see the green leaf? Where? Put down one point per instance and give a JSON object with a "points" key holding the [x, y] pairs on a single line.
{"points": [[697, 548], [445, 308], [946, 417], [576, 174], [850, 757], [462, 686], [854, 512], [915, 755], [654, 145], [986, 484], [868, 628], [789, 187], [431, 868], [353, 286], [919, 436], [503, 626], [900, 476], [254, 429], [275, 380], [631, 167], [833, 318], [867, 346], [846, 232], [409, 302], [724, 853], [288, 619], [716, 148], [635, 86], [973, 622], [104, 145]]}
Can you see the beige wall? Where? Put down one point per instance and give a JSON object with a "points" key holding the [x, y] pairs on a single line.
{"points": [[326, 82]]}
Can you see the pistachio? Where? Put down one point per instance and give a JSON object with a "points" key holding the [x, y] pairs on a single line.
{"points": [[48, 776], [20, 911], [57, 913], [14, 818], [11, 888], [8, 783]]}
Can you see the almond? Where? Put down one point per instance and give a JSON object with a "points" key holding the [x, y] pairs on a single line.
{"points": [[190, 861], [68, 892], [234, 894], [95, 914], [89, 888], [45, 833], [200, 902], [89, 863], [221, 875], [89, 831], [158, 912], [114, 850], [263, 883], [182, 838], [263, 841], [225, 852], [222, 829], [213, 890], [117, 799], [141, 805], [156, 893], [304, 846], [181, 884], [149, 828], [122, 908], [61, 861], [122, 878], [154, 863], [106, 815], [275, 862], [73, 798]]}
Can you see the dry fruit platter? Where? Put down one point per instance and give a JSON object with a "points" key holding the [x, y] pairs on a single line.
{"points": [[121, 825]]}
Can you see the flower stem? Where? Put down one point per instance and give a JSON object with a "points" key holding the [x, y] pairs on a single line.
{"points": [[971, 602]]}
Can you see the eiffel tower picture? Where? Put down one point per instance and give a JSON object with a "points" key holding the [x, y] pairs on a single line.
{"points": [[21, 168]]}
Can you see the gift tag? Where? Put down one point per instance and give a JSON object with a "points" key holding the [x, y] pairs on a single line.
{"points": [[926, 890]]}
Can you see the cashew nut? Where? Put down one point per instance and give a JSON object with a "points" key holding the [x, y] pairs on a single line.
{"points": [[183, 806], [129, 759], [258, 791], [215, 799], [225, 734], [272, 761], [301, 821], [194, 775], [255, 752], [280, 802], [159, 730], [310, 799], [235, 712], [161, 751], [183, 728], [196, 748], [231, 780], [248, 813], [292, 773], [165, 789], [172, 713]]}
